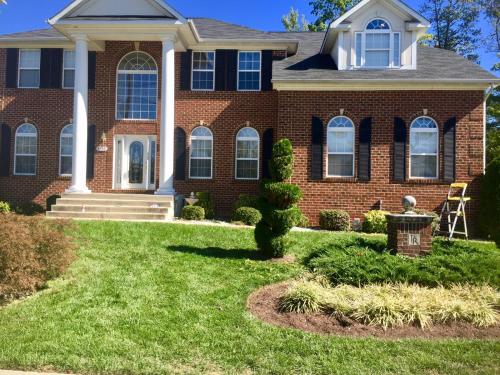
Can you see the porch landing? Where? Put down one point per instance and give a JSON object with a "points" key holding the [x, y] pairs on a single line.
{"points": [[143, 207]]}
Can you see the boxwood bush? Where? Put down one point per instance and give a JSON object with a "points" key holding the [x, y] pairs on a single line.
{"points": [[359, 261], [246, 200], [375, 222], [247, 215], [336, 220], [193, 213], [205, 200], [28, 209]]}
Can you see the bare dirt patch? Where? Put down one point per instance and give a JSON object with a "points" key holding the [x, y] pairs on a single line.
{"points": [[263, 303]]}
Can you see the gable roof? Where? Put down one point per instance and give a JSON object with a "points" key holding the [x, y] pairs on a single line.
{"points": [[433, 65], [72, 9]]}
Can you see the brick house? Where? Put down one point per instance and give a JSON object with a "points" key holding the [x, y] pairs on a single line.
{"points": [[132, 97]]}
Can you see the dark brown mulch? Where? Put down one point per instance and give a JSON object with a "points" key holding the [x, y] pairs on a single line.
{"points": [[263, 303]]}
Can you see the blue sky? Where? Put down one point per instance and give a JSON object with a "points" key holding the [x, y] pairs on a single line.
{"points": [[23, 15]]}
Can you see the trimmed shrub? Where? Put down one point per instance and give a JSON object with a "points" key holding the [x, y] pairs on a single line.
{"points": [[281, 194], [277, 203], [489, 218], [205, 200], [303, 221], [247, 215], [359, 261], [193, 213], [396, 305], [375, 222], [246, 200], [4, 207], [51, 201], [33, 250], [28, 209], [336, 220]]}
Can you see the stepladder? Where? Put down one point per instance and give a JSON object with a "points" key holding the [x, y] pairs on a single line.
{"points": [[453, 211]]}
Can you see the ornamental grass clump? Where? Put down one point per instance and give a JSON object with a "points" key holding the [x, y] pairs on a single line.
{"points": [[396, 305], [277, 203]]}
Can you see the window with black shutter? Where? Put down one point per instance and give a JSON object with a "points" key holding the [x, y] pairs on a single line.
{"points": [[317, 137], [364, 157], [91, 138], [186, 70], [449, 149], [5, 135], [180, 154], [11, 68], [267, 151], [399, 146]]}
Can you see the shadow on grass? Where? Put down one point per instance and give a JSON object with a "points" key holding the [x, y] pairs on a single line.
{"points": [[220, 253]]}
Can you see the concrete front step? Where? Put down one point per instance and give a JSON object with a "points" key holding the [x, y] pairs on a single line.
{"points": [[112, 202], [106, 215], [108, 208], [128, 197]]}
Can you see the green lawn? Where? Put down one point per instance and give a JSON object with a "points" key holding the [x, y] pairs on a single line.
{"points": [[161, 299]]}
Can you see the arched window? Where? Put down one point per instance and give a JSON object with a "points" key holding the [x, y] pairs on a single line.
{"points": [[377, 46], [340, 139], [137, 81], [424, 146], [66, 151], [247, 154], [201, 153], [25, 150]]}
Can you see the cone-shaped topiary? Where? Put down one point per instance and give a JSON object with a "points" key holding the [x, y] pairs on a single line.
{"points": [[277, 203]]}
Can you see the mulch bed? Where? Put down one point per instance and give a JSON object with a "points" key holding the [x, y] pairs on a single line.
{"points": [[263, 303]]}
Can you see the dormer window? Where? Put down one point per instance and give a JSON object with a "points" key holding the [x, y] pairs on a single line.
{"points": [[378, 46]]}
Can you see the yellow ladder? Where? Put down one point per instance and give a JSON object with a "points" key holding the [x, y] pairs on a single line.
{"points": [[454, 208]]}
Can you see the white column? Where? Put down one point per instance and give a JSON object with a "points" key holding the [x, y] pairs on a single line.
{"points": [[80, 126], [167, 119]]}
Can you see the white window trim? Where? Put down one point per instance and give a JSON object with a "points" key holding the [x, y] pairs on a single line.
{"points": [[19, 68], [61, 136], [201, 138], [16, 154], [353, 153], [64, 70], [425, 130], [202, 70], [245, 70], [238, 138], [131, 72], [363, 33]]}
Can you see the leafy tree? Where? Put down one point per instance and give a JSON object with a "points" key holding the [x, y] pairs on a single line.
{"points": [[291, 21], [454, 25], [327, 11], [493, 123]]}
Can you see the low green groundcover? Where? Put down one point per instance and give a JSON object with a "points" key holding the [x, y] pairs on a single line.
{"points": [[361, 261]]}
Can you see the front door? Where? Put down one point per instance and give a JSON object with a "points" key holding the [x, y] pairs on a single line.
{"points": [[135, 162]]}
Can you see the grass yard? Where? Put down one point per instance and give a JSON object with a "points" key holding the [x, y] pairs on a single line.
{"points": [[160, 299]]}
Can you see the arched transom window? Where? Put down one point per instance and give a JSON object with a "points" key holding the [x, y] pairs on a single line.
{"points": [[378, 46], [26, 145], [66, 151], [340, 139], [137, 81], [201, 153], [247, 154], [424, 146]]}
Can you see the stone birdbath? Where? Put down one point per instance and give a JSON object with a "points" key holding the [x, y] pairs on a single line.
{"points": [[192, 200], [409, 233]]}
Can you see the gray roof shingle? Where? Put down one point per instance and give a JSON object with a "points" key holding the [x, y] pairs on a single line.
{"points": [[209, 28], [35, 34], [432, 64]]}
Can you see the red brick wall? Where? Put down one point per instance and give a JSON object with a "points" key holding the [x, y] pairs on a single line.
{"points": [[294, 122], [225, 113]]}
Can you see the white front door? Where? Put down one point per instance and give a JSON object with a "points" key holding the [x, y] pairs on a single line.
{"points": [[134, 162]]}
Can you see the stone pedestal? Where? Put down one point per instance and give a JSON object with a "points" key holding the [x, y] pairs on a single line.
{"points": [[410, 235]]}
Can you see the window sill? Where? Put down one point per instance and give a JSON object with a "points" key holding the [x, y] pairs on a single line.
{"points": [[340, 179]]}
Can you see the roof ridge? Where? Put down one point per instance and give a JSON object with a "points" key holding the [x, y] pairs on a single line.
{"points": [[229, 23]]}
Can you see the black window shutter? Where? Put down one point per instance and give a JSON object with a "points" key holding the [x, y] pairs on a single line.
{"points": [[231, 70], [56, 70], [220, 70], [364, 156], [449, 149], [4, 150], [92, 68], [90, 151], [11, 68], [186, 58], [267, 70], [317, 138], [399, 158], [267, 151], [180, 154], [45, 67]]}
